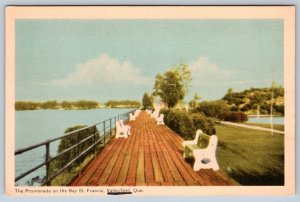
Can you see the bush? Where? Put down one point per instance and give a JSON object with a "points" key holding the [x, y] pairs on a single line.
{"points": [[203, 123], [186, 124], [181, 122], [71, 140], [212, 109], [279, 108], [234, 116]]}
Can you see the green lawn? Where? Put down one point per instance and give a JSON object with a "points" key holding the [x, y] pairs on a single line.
{"points": [[267, 125], [251, 157]]}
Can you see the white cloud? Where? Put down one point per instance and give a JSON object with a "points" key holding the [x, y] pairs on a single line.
{"points": [[208, 73], [103, 70]]}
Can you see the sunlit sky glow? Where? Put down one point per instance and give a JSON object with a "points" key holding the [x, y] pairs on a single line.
{"points": [[118, 59]]}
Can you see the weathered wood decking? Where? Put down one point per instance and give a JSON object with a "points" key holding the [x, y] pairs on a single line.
{"points": [[151, 156]]}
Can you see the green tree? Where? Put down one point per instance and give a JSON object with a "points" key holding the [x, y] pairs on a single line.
{"points": [[147, 101], [172, 86], [193, 103]]}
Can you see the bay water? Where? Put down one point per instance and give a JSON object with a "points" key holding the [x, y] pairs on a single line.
{"points": [[35, 126]]}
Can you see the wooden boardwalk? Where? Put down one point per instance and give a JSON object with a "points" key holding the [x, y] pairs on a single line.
{"points": [[151, 156]]}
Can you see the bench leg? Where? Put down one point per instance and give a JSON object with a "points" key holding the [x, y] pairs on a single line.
{"points": [[187, 153], [199, 164]]}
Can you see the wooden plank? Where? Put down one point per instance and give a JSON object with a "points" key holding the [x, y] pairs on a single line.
{"points": [[116, 170], [149, 173], [89, 171], [140, 175], [131, 175], [109, 167], [178, 171], [94, 178], [194, 175], [125, 165], [211, 178], [158, 176], [170, 173]]}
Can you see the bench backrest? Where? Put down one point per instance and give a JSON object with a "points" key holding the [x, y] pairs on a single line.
{"points": [[121, 123], [118, 126], [205, 141]]}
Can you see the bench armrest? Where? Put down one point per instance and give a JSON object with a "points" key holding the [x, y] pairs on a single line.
{"points": [[190, 142], [195, 141]]}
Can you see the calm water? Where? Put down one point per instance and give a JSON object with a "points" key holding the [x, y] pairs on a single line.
{"points": [[39, 125], [276, 120]]}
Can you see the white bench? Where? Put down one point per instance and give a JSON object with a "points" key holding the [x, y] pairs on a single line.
{"points": [[155, 114], [122, 130], [160, 120], [203, 150], [149, 112], [126, 127], [137, 112], [131, 117]]}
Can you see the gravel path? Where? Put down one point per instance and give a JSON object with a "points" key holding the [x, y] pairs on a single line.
{"points": [[253, 127]]}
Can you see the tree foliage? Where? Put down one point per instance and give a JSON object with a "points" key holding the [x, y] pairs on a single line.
{"points": [[53, 104], [122, 103], [212, 108], [186, 124], [147, 101], [193, 103], [250, 100], [172, 85]]}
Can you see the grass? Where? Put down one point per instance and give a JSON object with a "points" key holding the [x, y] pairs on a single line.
{"points": [[251, 157], [267, 125]]}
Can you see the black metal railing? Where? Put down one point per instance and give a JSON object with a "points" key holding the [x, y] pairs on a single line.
{"points": [[106, 131]]}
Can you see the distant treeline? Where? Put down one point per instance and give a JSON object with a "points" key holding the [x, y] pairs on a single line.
{"points": [[68, 105], [250, 100], [53, 104], [122, 103]]}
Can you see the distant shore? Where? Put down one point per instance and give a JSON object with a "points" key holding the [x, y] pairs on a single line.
{"points": [[117, 107]]}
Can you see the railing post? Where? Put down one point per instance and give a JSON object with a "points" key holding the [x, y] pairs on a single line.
{"points": [[110, 128], [47, 159], [104, 133], [115, 125], [77, 144], [95, 139]]}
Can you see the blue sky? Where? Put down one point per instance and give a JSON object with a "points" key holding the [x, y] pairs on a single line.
{"points": [[118, 59]]}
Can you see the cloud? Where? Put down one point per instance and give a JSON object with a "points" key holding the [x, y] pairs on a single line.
{"points": [[208, 73], [103, 70]]}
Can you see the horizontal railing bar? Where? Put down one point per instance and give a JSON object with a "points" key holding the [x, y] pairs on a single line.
{"points": [[106, 132], [30, 171], [20, 151], [71, 162], [73, 146]]}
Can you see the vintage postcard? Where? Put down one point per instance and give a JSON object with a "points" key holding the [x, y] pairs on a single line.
{"points": [[150, 100]]}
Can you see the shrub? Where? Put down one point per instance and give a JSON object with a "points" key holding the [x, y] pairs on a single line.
{"points": [[213, 108], [180, 122], [186, 124], [71, 140], [233, 116], [279, 108], [203, 123]]}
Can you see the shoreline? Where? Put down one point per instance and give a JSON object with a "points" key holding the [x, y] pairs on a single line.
{"points": [[263, 116], [62, 109]]}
